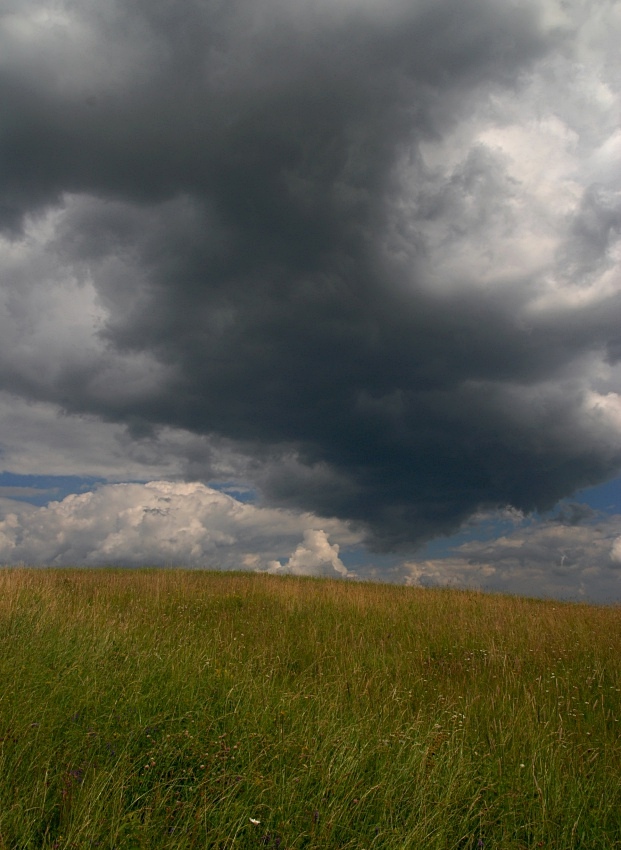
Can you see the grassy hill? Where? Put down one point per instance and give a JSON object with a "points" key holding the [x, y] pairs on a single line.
{"points": [[175, 709]]}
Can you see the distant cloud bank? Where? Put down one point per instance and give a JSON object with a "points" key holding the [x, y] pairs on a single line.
{"points": [[574, 555]]}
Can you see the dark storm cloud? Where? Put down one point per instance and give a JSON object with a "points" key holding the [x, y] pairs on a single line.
{"points": [[228, 100], [242, 184]]}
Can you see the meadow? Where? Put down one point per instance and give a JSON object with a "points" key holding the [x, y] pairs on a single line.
{"points": [[179, 709]]}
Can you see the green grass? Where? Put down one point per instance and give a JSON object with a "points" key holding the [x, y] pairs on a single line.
{"points": [[166, 709]]}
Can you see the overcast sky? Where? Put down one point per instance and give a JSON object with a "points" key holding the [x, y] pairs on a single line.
{"points": [[340, 278]]}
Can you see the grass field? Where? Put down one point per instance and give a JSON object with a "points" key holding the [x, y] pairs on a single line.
{"points": [[174, 709]]}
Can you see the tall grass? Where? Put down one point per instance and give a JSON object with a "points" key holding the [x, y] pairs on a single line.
{"points": [[173, 709]]}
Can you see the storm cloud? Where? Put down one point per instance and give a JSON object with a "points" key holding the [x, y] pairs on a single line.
{"points": [[370, 248]]}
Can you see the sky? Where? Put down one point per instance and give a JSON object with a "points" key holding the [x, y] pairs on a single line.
{"points": [[325, 287]]}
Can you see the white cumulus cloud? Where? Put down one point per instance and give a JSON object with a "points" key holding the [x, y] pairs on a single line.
{"points": [[163, 523], [315, 556]]}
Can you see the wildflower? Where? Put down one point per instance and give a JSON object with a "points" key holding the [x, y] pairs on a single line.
{"points": [[77, 775], [255, 821]]}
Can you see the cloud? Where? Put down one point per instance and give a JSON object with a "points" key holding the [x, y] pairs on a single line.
{"points": [[575, 513], [615, 552], [167, 524], [315, 556], [576, 555], [37, 437], [362, 256]]}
